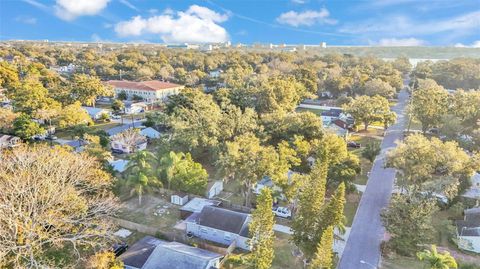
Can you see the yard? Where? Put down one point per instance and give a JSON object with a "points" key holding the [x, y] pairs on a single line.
{"points": [[314, 111], [154, 211]]}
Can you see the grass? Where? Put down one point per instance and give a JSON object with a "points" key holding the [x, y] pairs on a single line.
{"points": [[400, 262], [235, 188], [351, 206], [317, 112], [167, 214], [67, 133], [283, 253]]}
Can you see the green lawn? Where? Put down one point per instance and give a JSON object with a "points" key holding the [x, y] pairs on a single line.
{"points": [[283, 253], [400, 262], [351, 206]]}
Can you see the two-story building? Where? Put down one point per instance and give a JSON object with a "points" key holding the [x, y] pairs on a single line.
{"points": [[151, 91], [220, 225]]}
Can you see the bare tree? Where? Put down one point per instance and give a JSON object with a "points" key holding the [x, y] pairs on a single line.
{"points": [[51, 198]]}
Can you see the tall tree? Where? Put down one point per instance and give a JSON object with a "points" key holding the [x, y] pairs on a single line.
{"points": [[87, 88], [367, 109], [247, 161], [332, 214], [25, 128], [261, 231], [140, 176], [429, 104], [324, 255], [379, 87], [435, 260], [72, 115], [65, 204]]}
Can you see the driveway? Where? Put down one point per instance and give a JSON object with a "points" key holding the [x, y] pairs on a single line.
{"points": [[367, 232]]}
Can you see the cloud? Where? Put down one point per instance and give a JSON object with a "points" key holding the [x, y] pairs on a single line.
{"points": [[308, 18], [475, 44], [71, 9], [405, 26], [26, 19], [36, 4], [196, 25], [129, 5], [300, 2], [402, 42]]}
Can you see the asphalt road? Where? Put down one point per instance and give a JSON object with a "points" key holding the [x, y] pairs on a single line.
{"points": [[367, 232]]}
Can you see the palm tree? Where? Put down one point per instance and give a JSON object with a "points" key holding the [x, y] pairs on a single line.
{"points": [[166, 165], [140, 174], [437, 260]]}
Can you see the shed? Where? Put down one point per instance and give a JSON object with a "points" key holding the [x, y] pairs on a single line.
{"points": [[179, 198], [214, 188]]}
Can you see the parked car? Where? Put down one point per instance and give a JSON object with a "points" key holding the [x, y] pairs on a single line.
{"points": [[116, 117], [119, 248], [282, 212], [353, 144], [118, 151], [51, 137]]}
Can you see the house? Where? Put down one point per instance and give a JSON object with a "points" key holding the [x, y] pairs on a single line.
{"points": [[474, 191], [151, 133], [94, 112], [153, 253], [135, 108], [215, 73], [8, 141], [128, 141], [195, 206], [214, 188], [220, 225], [266, 182], [151, 91], [468, 230], [179, 198]]}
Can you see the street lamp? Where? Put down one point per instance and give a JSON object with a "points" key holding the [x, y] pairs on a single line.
{"points": [[369, 264]]}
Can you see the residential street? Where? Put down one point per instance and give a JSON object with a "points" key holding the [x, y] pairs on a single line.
{"points": [[367, 231]]}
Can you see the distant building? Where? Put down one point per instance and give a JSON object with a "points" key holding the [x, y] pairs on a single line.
{"points": [[468, 230], [474, 191], [220, 225], [323, 45], [151, 91], [153, 253]]}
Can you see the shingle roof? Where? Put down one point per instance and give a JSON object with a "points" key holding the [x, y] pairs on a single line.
{"points": [[151, 85], [174, 255], [224, 220], [153, 253], [470, 226]]}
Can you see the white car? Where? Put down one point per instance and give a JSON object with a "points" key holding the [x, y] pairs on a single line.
{"points": [[116, 117], [282, 212]]}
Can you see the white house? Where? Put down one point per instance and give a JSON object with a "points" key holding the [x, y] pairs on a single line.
{"points": [[151, 91], [220, 225], [8, 141], [94, 112], [151, 133], [153, 253], [468, 230], [134, 108], [128, 141], [214, 188], [179, 198]]}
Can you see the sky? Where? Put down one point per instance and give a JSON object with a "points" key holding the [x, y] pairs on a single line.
{"points": [[336, 22]]}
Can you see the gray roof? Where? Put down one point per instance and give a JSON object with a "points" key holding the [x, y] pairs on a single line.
{"points": [[174, 255], [137, 255], [153, 253], [470, 226], [224, 220], [197, 204]]}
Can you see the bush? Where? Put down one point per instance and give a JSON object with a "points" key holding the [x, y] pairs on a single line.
{"points": [[371, 151]]}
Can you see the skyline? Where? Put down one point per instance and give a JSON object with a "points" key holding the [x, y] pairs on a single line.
{"points": [[341, 23]]}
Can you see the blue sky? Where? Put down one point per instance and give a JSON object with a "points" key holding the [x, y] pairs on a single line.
{"points": [[337, 22]]}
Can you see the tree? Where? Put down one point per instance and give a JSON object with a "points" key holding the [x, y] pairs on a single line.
{"points": [[371, 151], [140, 175], [402, 64], [261, 231], [278, 93], [379, 87], [104, 260], [246, 161], [324, 255], [305, 225], [122, 95], [118, 106], [435, 260], [72, 115], [345, 171], [7, 117], [65, 204], [8, 75], [25, 128], [332, 214], [87, 88], [429, 104], [182, 173], [367, 109], [408, 221], [30, 96]]}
